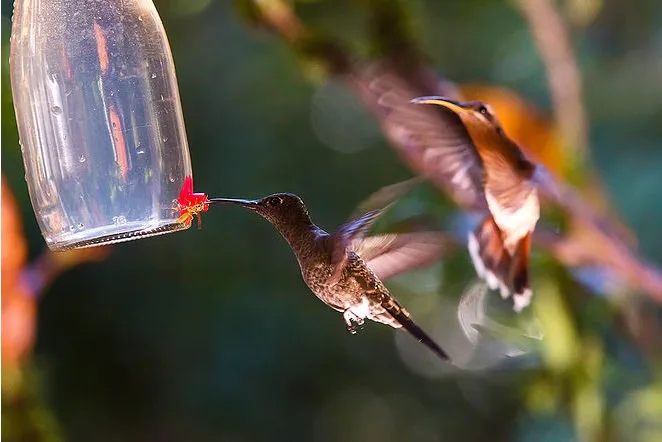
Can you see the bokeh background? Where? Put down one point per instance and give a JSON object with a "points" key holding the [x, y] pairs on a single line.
{"points": [[212, 335]]}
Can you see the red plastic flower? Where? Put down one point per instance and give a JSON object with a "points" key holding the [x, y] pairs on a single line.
{"points": [[191, 204]]}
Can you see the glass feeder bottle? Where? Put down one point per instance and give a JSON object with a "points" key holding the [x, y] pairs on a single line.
{"points": [[99, 119]]}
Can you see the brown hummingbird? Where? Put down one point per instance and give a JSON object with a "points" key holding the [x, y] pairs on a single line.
{"points": [[344, 269], [462, 147]]}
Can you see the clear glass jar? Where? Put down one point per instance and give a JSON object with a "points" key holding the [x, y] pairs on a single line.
{"points": [[99, 119]]}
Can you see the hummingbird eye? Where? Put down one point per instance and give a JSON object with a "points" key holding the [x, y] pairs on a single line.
{"points": [[274, 201], [486, 111]]}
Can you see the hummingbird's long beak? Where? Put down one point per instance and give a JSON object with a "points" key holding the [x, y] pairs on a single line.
{"points": [[250, 204], [448, 103]]}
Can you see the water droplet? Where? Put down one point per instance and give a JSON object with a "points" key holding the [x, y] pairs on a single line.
{"points": [[80, 226], [153, 75], [57, 110], [161, 97], [140, 18], [165, 139], [172, 179], [140, 152], [72, 228], [119, 220], [81, 159]]}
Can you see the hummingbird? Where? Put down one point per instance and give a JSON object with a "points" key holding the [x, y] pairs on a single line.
{"points": [[345, 268], [500, 245], [462, 147]]}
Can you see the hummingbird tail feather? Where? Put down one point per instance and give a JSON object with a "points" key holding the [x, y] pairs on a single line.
{"points": [[489, 255], [404, 319], [519, 274], [500, 270]]}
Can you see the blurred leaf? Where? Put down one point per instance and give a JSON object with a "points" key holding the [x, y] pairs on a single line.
{"points": [[25, 415], [561, 344], [639, 416], [583, 12], [543, 395], [588, 404]]}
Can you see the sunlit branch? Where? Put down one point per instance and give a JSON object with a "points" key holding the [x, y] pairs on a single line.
{"points": [[563, 76]]}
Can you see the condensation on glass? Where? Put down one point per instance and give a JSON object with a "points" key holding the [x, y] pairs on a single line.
{"points": [[99, 119]]}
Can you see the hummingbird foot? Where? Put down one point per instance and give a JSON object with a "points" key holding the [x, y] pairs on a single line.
{"points": [[350, 319]]}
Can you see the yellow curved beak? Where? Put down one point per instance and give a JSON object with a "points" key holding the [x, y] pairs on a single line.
{"points": [[441, 101]]}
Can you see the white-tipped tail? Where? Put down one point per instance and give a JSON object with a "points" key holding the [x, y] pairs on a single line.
{"points": [[501, 270], [522, 300]]}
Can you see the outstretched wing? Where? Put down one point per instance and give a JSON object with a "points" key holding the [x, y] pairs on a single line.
{"points": [[432, 140], [354, 231], [342, 238], [394, 253], [387, 195]]}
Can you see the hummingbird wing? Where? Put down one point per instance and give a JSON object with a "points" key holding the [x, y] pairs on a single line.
{"points": [[432, 140], [387, 195], [354, 231], [342, 238], [394, 253]]}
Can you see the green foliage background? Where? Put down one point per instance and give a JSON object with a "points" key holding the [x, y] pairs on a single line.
{"points": [[212, 335]]}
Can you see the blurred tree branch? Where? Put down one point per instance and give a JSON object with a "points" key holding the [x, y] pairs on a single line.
{"points": [[23, 282], [552, 37], [563, 76], [598, 243]]}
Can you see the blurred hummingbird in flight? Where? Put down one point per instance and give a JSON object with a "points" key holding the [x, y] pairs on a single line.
{"points": [[462, 147], [501, 244], [345, 268]]}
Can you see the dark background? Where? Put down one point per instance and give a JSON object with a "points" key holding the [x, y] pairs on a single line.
{"points": [[212, 335]]}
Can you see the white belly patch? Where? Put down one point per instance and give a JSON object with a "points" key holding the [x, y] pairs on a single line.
{"points": [[515, 224]]}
